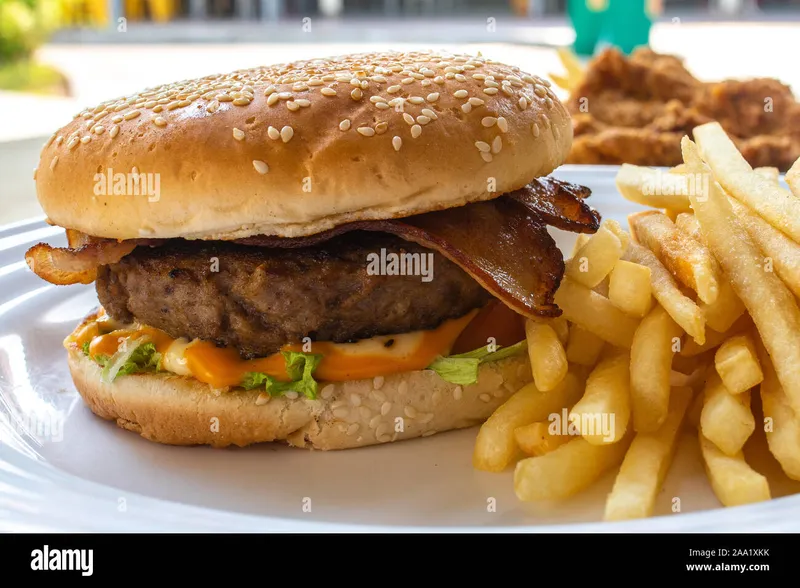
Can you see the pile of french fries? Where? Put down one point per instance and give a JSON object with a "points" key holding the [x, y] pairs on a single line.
{"points": [[679, 323]]}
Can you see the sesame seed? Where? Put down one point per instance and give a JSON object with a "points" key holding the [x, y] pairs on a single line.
{"points": [[315, 82], [223, 98], [262, 399], [117, 119], [284, 95], [479, 76], [416, 99], [466, 107], [375, 421], [355, 82], [502, 124], [356, 94], [426, 418], [382, 106], [364, 412], [355, 400], [548, 102], [131, 115], [59, 140], [407, 81], [540, 91], [377, 382], [535, 129], [238, 134], [344, 125], [491, 83], [402, 388], [410, 412], [292, 395], [300, 87], [272, 99], [287, 133], [432, 97], [303, 103], [341, 413], [488, 121], [523, 103], [366, 131], [99, 129], [483, 146], [430, 114], [134, 170], [457, 393], [556, 133], [241, 101], [291, 105], [379, 79], [381, 127], [490, 91], [183, 103], [439, 80], [85, 139], [485, 397], [327, 392], [159, 121], [487, 157], [52, 165], [497, 144], [114, 131], [213, 106], [382, 432], [436, 397], [158, 109], [327, 91], [460, 93], [273, 133], [260, 166], [376, 99], [393, 89], [449, 76], [461, 77], [338, 404], [397, 142], [423, 120], [416, 131], [385, 408], [352, 429]]}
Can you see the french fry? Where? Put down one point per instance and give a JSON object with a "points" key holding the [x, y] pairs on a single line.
{"points": [[714, 338], [696, 410], [646, 463], [495, 447], [726, 419], [567, 470], [581, 240], [776, 205], [793, 178], [653, 187], [623, 235], [595, 313], [678, 169], [733, 481], [547, 355], [689, 261], [571, 63], [687, 222], [593, 262], [583, 347], [772, 174], [781, 424], [629, 288], [665, 290], [651, 361], [561, 327], [602, 415], [536, 439], [768, 301], [737, 364], [779, 250]]}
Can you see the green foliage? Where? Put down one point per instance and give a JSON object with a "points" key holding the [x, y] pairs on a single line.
{"points": [[24, 25]]}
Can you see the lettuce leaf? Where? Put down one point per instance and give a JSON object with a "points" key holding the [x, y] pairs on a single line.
{"points": [[462, 369], [300, 368], [85, 348], [134, 356]]}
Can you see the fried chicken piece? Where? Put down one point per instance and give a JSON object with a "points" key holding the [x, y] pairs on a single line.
{"points": [[637, 146]]}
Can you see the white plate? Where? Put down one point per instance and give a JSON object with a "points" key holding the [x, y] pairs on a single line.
{"points": [[78, 472]]}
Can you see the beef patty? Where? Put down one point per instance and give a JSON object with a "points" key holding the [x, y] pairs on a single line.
{"points": [[257, 299]]}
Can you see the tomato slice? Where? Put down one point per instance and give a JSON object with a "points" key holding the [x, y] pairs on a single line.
{"points": [[494, 320]]}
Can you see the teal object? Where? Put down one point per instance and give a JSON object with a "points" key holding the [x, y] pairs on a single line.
{"points": [[624, 24]]}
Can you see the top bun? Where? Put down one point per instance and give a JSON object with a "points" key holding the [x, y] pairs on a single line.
{"points": [[298, 148]]}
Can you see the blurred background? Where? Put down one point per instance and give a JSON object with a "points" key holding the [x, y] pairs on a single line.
{"points": [[57, 56]]}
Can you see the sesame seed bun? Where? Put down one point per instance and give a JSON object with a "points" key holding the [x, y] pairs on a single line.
{"points": [[177, 410], [295, 149]]}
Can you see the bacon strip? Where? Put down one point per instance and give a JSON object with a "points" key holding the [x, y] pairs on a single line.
{"points": [[560, 204], [62, 266]]}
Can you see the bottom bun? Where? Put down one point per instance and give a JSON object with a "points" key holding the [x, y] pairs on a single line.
{"points": [[178, 410]]}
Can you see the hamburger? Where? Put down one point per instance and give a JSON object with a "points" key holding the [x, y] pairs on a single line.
{"points": [[332, 253]]}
